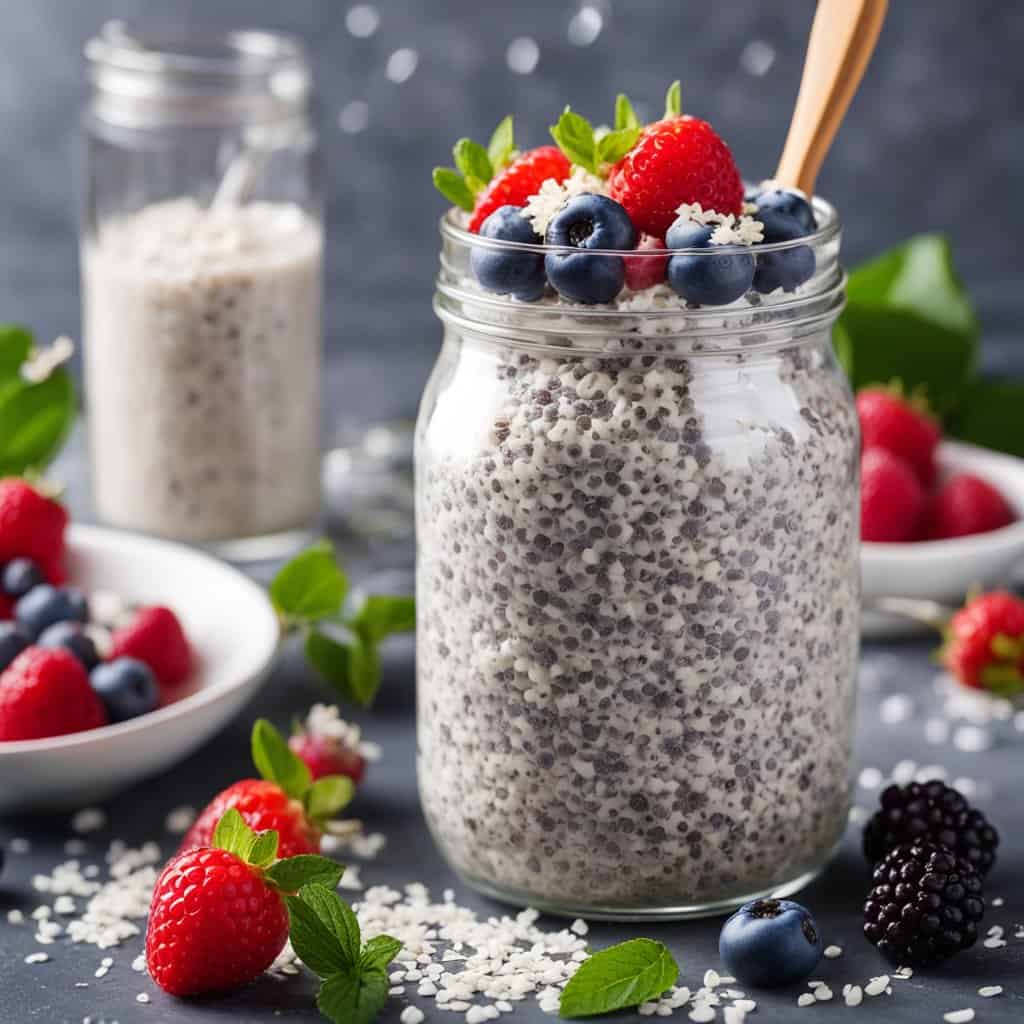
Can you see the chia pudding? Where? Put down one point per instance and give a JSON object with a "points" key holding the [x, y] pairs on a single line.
{"points": [[202, 356]]}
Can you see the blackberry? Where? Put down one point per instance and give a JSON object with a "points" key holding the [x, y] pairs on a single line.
{"points": [[925, 905], [932, 812]]}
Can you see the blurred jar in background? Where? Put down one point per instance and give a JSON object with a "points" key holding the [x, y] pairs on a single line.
{"points": [[202, 253]]}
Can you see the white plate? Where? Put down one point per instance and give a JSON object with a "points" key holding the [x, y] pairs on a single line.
{"points": [[944, 570], [233, 629]]}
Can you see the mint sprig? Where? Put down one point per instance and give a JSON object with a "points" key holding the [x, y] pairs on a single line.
{"points": [[326, 936], [309, 596], [625, 115], [577, 139], [475, 166], [618, 978]]}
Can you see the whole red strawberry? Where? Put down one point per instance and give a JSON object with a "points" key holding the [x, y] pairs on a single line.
{"points": [[901, 426], [329, 745], [520, 180], [966, 504], [31, 525], [218, 920], [647, 270], [46, 692], [984, 645], [892, 500], [286, 799], [156, 637], [676, 160]]}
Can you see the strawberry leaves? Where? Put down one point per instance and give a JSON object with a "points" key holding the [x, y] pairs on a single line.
{"points": [[594, 152], [475, 166], [325, 934], [674, 100], [625, 115]]}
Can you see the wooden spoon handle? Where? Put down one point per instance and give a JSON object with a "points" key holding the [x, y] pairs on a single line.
{"points": [[842, 40]]}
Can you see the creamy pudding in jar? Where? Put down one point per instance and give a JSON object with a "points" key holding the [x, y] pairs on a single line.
{"points": [[202, 359]]}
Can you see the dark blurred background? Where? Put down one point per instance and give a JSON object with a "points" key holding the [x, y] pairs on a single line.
{"points": [[934, 139]]}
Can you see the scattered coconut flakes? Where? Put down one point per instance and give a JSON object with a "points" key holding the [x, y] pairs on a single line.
{"points": [[896, 709], [998, 902], [15, 917], [823, 993], [139, 964], [540, 209], [903, 973], [180, 820], [853, 995], [367, 846], [711, 979], [806, 999], [44, 360], [142, 997], [746, 1005], [904, 772], [89, 819], [972, 739], [994, 943], [350, 880], [958, 1016], [833, 952], [702, 1013], [990, 991], [19, 845], [579, 927], [876, 986], [37, 958], [997, 931], [412, 1015], [870, 778]]}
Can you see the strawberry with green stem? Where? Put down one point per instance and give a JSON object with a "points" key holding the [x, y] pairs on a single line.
{"points": [[984, 644]]}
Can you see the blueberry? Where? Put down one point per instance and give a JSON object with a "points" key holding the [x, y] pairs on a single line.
{"points": [[44, 605], [509, 271], [791, 205], [769, 943], [589, 222], [20, 575], [785, 216], [711, 279], [127, 688], [72, 637], [13, 640]]}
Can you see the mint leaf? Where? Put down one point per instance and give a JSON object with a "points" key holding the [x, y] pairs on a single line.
{"points": [[263, 852], [352, 668], [275, 761], [354, 996], [472, 160], [379, 952], [625, 115], [623, 976], [615, 145], [380, 617], [575, 137], [15, 345], [328, 795], [453, 187], [316, 945], [991, 414], [674, 100], [35, 420], [310, 587], [291, 874], [337, 917], [502, 144], [234, 835]]}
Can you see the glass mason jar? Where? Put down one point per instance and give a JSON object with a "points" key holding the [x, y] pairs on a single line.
{"points": [[201, 287], [638, 590]]}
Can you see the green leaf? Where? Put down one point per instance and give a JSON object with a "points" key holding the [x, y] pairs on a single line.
{"points": [[234, 835], [311, 586], [15, 345], [328, 795], [472, 160], [1004, 680], [352, 668], [35, 420], [625, 115], [316, 945], [623, 976], [380, 616], [291, 874], [674, 100], [575, 137], [502, 144], [264, 849], [355, 996], [275, 761], [991, 414], [380, 951], [453, 187], [337, 917], [615, 145]]}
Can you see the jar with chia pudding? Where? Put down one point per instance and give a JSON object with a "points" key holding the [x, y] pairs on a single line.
{"points": [[638, 582], [201, 261]]}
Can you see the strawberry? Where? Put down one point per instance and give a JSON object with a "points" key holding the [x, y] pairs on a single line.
{"points": [[966, 504], [329, 745], [31, 525], [892, 500], [218, 919], [46, 692], [901, 426], [156, 638], [984, 645], [677, 160], [286, 799], [520, 180], [646, 271]]}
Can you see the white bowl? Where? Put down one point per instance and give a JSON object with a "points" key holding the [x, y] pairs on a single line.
{"points": [[233, 629], [944, 570]]}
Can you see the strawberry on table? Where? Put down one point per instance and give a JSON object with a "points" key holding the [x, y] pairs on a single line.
{"points": [[899, 425], [286, 798], [984, 645], [892, 500], [218, 918], [329, 745], [156, 638], [965, 504]]}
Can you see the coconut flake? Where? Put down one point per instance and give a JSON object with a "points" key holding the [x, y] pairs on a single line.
{"points": [[540, 209]]}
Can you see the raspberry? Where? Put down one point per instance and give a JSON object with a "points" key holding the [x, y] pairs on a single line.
{"points": [[984, 645], [646, 271], [45, 692], [677, 160], [31, 526], [520, 180], [156, 638], [892, 501], [890, 421], [964, 505]]}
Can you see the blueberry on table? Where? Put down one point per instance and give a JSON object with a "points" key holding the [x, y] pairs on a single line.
{"points": [[13, 640], [44, 605], [127, 688], [769, 943], [20, 575], [511, 271], [786, 217], [72, 637], [706, 278], [589, 222]]}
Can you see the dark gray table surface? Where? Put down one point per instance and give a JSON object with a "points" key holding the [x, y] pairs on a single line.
{"points": [[388, 803]]}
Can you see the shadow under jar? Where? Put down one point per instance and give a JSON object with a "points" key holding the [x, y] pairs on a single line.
{"points": [[638, 592]]}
